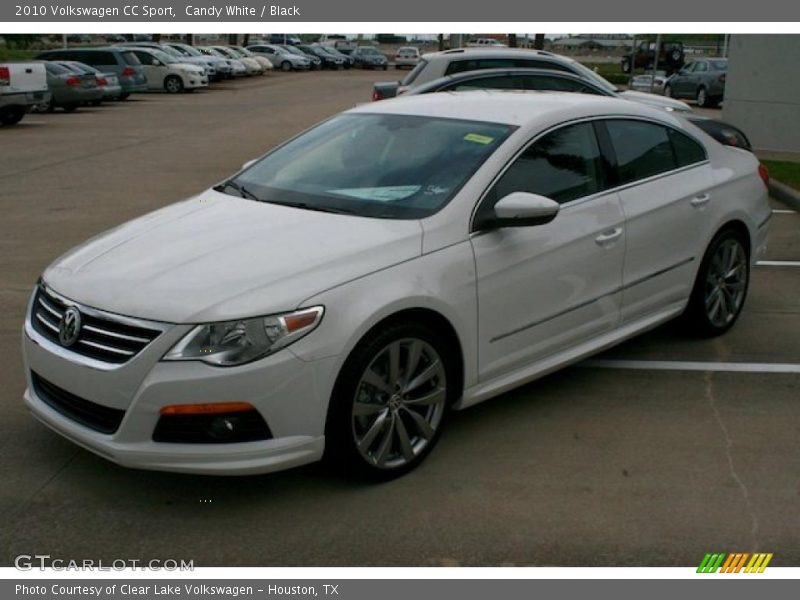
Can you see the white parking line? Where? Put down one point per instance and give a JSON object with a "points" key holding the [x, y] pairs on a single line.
{"points": [[680, 365], [778, 263], [783, 211]]}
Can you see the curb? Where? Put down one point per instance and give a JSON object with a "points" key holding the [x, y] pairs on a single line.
{"points": [[784, 193]]}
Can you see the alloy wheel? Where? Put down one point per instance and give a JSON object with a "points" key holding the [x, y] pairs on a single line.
{"points": [[726, 283], [399, 403]]}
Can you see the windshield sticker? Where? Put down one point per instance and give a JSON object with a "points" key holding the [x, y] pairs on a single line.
{"points": [[379, 194], [478, 138]]}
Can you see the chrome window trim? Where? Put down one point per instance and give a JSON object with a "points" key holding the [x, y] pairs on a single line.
{"points": [[615, 189]]}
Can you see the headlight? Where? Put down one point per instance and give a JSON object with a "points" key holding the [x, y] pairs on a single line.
{"points": [[245, 340]]}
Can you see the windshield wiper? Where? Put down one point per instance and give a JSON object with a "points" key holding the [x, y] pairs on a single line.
{"points": [[243, 191], [327, 209]]}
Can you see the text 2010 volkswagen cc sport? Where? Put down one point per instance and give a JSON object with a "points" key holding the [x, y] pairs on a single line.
{"points": [[340, 294]]}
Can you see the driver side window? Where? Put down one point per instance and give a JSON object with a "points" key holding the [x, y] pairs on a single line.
{"points": [[564, 165]]}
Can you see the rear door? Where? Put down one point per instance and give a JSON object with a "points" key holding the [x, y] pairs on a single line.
{"points": [[665, 188], [546, 288]]}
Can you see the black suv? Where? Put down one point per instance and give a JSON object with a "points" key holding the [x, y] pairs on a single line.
{"points": [[670, 57]]}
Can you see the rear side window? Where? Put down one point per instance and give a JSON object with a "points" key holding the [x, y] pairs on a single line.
{"points": [[687, 151], [487, 83], [563, 165], [554, 84], [642, 149], [130, 58], [55, 69], [98, 58]]}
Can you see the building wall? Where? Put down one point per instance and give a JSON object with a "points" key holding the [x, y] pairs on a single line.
{"points": [[762, 91]]}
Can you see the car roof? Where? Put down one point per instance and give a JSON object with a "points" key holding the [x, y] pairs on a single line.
{"points": [[514, 107], [501, 52]]}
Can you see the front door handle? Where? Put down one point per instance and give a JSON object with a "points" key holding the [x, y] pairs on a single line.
{"points": [[608, 236], [700, 200]]}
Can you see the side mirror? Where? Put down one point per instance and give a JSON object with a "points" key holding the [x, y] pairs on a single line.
{"points": [[522, 209], [248, 164]]}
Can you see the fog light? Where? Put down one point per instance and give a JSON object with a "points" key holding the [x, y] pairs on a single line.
{"points": [[226, 422]]}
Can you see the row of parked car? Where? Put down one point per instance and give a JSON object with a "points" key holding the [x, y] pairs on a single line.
{"points": [[702, 80], [515, 69]]}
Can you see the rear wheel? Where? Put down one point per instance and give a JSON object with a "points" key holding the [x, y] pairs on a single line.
{"points": [[721, 285], [390, 402], [69, 107], [123, 96], [173, 84], [12, 115], [286, 66]]}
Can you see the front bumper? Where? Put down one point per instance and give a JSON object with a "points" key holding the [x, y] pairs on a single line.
{"points": [[291, 394], [193, 81]]}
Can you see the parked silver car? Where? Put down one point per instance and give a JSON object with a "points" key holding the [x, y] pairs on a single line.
{"points": [[701, 80], [108, 82]]}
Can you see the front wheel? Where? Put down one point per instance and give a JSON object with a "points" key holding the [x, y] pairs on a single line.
{"points": [[390, 401], [721, 285], [173, 84], [702, 97], [286, 66]]}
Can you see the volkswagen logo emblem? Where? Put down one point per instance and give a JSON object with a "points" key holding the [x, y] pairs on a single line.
{"points": [[70, 326]]}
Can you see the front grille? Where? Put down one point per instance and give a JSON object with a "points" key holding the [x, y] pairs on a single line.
{"points": [[94, 416], [103, 338]]}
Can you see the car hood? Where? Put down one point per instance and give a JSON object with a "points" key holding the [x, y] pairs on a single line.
{"points": [[217, 257], [655, 100]]}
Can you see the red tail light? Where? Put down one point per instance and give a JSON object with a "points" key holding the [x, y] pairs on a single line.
{"points": [[375, 96], [763, 172], [128, 72], [73, 81], [5, 76], [102, 81]]}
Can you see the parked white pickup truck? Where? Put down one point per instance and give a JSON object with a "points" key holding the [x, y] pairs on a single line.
{"points": [[22, 86]]}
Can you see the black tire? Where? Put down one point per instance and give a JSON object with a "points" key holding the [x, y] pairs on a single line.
{"points": [[343, 427], [701, 97], [12, 115], [68, 108], [123, 96], [173, 84], [700, 317], [286, 66]]}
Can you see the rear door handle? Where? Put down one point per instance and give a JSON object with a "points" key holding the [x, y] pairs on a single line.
{"points": [[608, 236], [700, 200]]}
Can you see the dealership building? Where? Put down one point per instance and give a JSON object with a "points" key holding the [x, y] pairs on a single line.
{"points": [[762, 94]]}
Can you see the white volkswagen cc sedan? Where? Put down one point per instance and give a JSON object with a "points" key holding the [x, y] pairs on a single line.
{"points": [[342, 293]]}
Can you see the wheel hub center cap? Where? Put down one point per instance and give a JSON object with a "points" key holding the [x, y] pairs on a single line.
{"points": [[395, 402]]}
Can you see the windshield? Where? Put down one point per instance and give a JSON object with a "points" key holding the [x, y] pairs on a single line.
{"points": [[373, 165], [162, 56], [719, 65], [226, 52], [242, 51], [599, 81], [368, 50], [293, 50], [188, 50], [170, 51]]}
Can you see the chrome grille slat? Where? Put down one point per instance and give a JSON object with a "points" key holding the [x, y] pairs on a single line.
{"points": [[105, 348], [44, 304], [47, 323], [119, 336], [104, 337]]}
